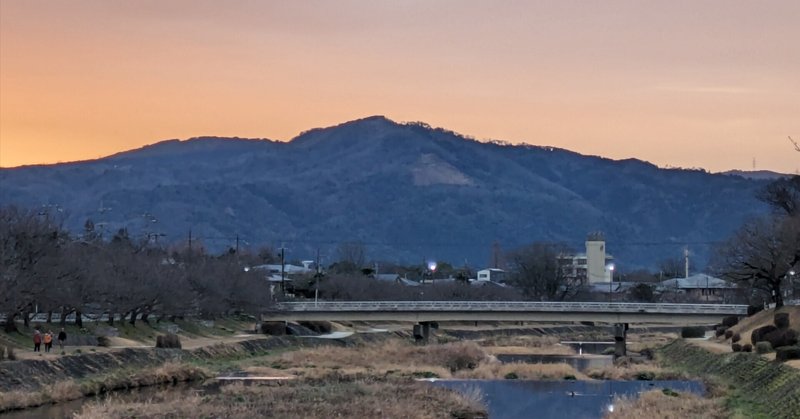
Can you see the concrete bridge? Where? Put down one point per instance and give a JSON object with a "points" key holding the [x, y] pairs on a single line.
{"points": [[531, 311], [428, 313]]}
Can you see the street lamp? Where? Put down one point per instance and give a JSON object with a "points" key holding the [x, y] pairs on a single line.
{"points": [[610, 269]]}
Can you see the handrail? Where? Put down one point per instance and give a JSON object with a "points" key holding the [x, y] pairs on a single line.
{"points": [[516, 306]]}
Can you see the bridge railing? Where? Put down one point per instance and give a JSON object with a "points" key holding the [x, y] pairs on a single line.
{"points": [[514, 306]]}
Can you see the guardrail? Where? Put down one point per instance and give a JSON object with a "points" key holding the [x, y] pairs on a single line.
{"points": [[509, 306]]}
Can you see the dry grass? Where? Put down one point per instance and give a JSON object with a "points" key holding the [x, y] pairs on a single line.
{"points": [[522, 371], [637, 342], [58, 392], [389, 357], [763, 318], [526, 345], [635, 372], [367, 399], [70, 389], [656, 404]]}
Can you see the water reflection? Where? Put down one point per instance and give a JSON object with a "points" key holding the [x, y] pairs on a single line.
{"points": [[512, 399]]}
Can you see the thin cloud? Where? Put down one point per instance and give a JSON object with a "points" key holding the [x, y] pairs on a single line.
{"points": [[729, 90]]}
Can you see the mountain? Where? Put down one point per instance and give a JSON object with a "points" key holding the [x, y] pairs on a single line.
{"points": [[757, 174], [407, 191]]}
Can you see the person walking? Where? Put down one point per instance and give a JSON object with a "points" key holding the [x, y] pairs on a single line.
{"points": [[48, 341], [37, 340], [62, 337]]}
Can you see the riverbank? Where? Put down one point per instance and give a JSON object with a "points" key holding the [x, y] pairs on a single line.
{"points": [[385, 359], [750, 385]]}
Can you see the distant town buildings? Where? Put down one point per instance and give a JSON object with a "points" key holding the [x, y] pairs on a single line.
{"points": [[593, 266], [491, 274]]}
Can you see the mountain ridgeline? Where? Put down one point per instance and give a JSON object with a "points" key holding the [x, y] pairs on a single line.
{"points": [[409, 192]]}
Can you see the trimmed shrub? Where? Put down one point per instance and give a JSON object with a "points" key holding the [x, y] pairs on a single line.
{"points": [[747, 347], [763, 347], [646, 376], [781, 320], [103, 341], [424, 374], [730, 321], [786, 353], [758, 334], [736, 337], [693, 332], [781, 337], [754, 309], [170, 340], [728, 334], [273, 328], [511, 376], [670, 392], [736, 347], [719, 331]]}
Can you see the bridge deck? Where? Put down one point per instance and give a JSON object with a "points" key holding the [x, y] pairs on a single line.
{"points": [[505, 311]]}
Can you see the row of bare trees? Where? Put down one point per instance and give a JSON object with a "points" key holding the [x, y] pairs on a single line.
{"points": [[45, 269]]}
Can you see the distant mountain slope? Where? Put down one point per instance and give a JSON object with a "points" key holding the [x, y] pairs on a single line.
{"points": [[756, 174], [407, 191]]}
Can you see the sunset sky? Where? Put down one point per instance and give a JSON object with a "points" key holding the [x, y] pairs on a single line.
{"points": [[712, 84]]}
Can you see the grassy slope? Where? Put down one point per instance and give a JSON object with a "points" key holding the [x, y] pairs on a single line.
{"points": [[758, 388]]}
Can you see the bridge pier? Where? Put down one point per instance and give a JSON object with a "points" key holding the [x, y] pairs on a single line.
{"points": [[422, 331], [620, 335]]}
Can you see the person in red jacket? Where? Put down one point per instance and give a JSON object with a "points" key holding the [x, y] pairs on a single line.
{"points": [[37, 340]]}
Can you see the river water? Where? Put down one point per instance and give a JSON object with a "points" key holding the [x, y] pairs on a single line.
{"points": [[523, 399]]}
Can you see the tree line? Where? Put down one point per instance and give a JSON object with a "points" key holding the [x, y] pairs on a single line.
{"points": [[46, 269]]}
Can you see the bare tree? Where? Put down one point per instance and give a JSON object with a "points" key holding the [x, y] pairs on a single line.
{"points": [[537, 272], [352, 257], [30, 244], [794, 143], [783, 195], [762, 253], [673, 267]]}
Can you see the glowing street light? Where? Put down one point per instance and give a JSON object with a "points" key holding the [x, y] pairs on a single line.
{"points": [[610, 269], [432, 266]]}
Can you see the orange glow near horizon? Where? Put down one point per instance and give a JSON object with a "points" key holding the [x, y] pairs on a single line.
{"points": [[686, 84]]}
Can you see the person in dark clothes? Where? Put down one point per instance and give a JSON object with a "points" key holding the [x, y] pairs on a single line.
{"points": [[62, 337]]}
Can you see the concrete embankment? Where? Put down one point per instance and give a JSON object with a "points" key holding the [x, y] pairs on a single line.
{"points": [[758, 386]]}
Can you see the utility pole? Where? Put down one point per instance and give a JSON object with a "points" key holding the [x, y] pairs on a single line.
{"points": [[316, 277], [237, 245], [686, 260]]}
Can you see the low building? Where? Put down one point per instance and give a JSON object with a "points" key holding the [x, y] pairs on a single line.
{"points": [[591, 267], [699, 287], [491, 274]]}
